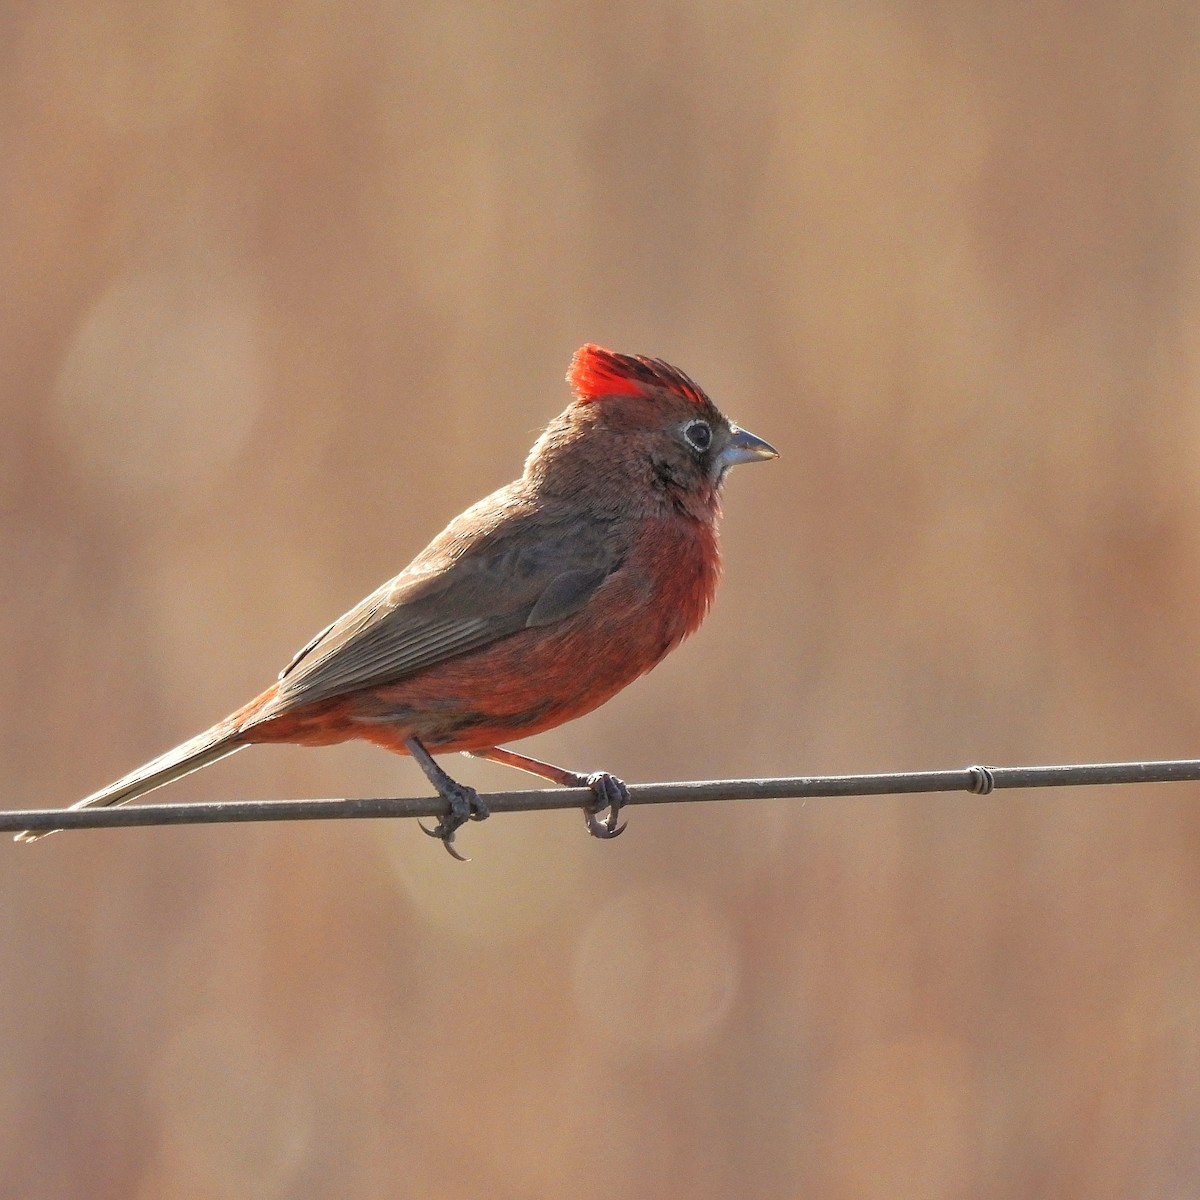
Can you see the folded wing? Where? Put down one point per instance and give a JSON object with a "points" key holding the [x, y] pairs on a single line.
{"points": [[469, 588]]}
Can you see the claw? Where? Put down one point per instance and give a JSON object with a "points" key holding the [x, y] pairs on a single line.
{"points": [[465, 806], [610, 793], [601, 829], [446, 836]]}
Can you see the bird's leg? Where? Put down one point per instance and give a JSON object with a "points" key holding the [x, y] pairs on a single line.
{"points": [[609, 791], [464, 801]]}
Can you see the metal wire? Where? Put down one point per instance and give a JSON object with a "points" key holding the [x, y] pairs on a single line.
{"points": [[978, 780]]}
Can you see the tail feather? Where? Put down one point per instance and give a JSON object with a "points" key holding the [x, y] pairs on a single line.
{"points": [[205, 748]]}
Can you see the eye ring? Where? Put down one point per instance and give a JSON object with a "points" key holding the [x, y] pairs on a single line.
{"points": [[698, 435]]}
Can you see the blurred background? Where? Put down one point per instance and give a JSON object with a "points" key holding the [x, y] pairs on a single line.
{"points": [[285, 288]]}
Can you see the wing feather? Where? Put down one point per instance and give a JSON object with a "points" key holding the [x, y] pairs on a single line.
{"points": [[477, 582]]}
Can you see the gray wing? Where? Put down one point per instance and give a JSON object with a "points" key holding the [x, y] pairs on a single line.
{"points": [[470, 587]]}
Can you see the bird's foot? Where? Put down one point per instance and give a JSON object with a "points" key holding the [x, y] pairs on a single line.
{"points": [[611, 793], [607, 790], [465, 806]]}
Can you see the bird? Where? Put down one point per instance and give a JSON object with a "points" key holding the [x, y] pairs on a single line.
{"points": [[531, 608]]}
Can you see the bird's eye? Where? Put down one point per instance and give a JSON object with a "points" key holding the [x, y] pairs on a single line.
{"points": [[698, 435]]}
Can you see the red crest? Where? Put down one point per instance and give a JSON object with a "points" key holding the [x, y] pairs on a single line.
{"points": [[596, 372]]}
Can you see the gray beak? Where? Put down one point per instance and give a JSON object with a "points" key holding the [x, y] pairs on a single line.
{"points": [[744, 447]]}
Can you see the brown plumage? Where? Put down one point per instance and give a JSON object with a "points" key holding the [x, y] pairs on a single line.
{"points": [[531, 608]]}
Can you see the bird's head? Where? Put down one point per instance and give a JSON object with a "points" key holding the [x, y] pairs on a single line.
{"points": [[640, 433]]}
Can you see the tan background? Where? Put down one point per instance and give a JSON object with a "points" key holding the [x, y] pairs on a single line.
{"points": [[285, 287]]}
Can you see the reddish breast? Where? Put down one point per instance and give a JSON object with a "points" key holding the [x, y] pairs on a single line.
{"points": [[538, 678]]}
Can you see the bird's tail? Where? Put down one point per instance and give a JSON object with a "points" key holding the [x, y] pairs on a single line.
{"points": [[218, 742]]}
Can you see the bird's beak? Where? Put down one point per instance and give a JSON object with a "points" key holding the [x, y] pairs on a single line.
{"points": [[744, 447]]}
